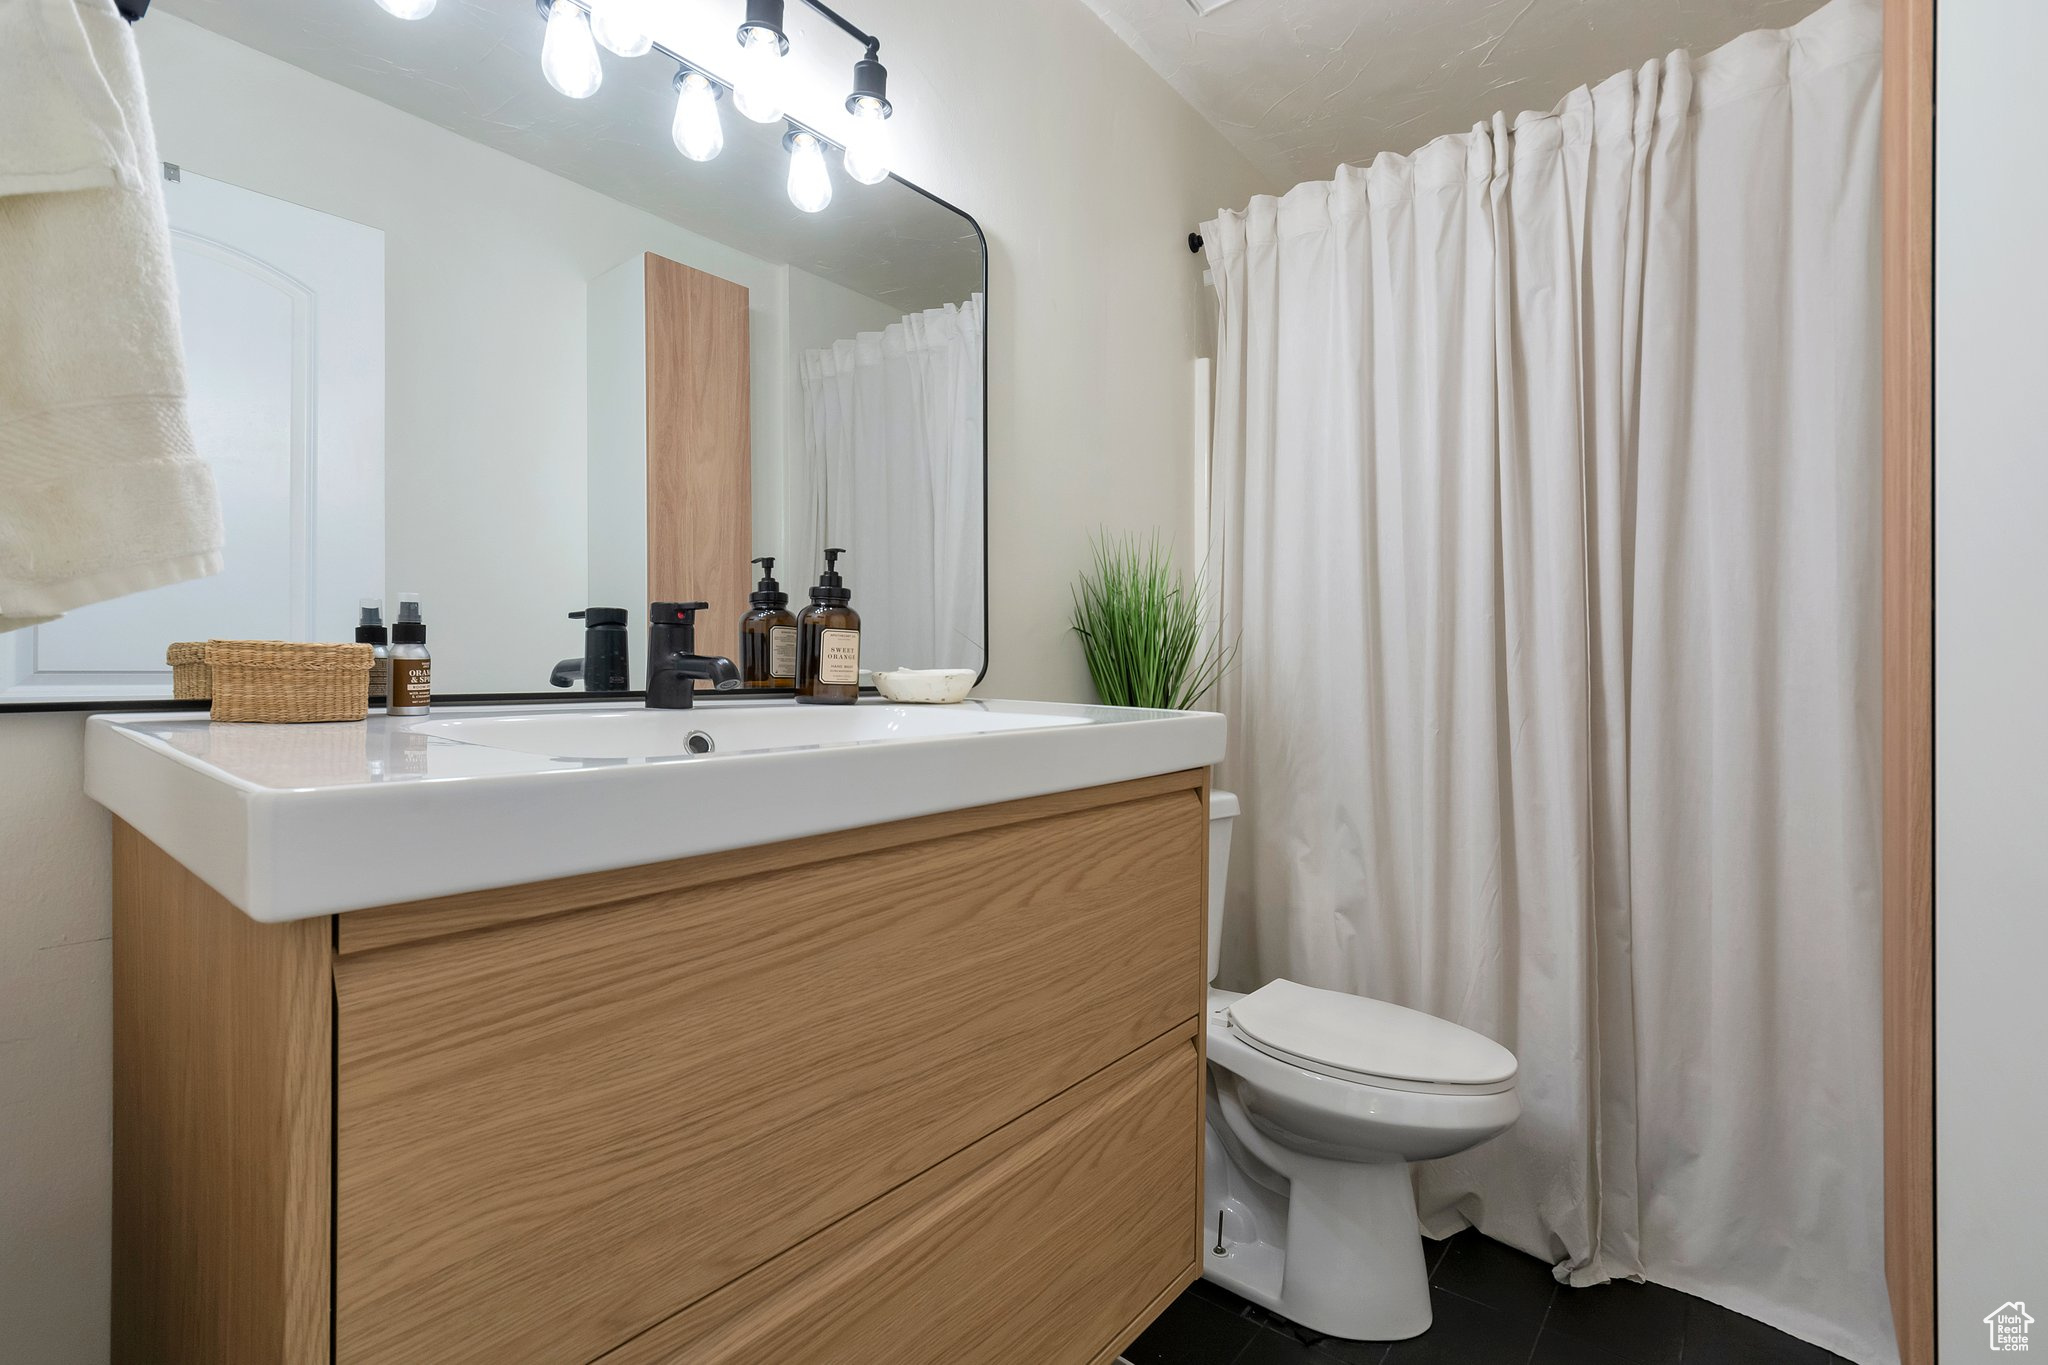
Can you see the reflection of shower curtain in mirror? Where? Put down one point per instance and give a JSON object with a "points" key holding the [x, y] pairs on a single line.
{"points": [[891, 469]]}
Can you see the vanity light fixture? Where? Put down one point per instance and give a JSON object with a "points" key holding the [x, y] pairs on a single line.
{"points": [[758, 75], [620, 26], [698, 133], [810, 183], [867, 144], [568, 54], [569, 59]]}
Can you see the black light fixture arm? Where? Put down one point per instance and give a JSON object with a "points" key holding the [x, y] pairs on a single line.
{"points": [[870, 77], [848, 27]]}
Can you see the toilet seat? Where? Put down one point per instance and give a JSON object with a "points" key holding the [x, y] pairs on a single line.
{"points": [[1369, 1042]]}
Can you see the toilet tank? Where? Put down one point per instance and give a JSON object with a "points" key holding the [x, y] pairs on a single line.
{"points": [[1222, 815]]}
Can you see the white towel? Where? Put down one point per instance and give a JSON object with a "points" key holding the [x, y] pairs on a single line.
{"points": [[101, 491]]}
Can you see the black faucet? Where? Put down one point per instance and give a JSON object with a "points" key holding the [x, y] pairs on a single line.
{"points": [[603, 667], [674, 667]]}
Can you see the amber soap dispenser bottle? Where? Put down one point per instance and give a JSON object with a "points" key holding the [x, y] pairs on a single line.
{"points": [[768, 634], [828, 641]]}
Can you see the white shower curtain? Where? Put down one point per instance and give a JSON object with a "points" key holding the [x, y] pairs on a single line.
{"points": [[892, 470], [1555, 448]]}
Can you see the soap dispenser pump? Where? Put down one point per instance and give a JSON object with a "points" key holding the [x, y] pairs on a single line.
{"points": [[828, 641], [768, 633]]}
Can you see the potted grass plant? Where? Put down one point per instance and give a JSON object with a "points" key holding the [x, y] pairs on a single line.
{"points": [[1143, 630]]}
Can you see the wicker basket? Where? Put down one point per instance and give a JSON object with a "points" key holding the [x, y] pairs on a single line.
{"points": [[272, 681], [190, 679]]}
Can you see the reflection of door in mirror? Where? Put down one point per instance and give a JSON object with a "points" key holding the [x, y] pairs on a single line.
{"points": [[671, 342], [282, 311]]}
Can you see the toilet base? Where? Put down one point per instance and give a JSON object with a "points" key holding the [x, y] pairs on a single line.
{"points": [[1339, 1253]]}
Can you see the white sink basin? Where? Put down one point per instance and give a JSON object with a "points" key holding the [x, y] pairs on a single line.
{"points": [[291, 821], [710, 731]]}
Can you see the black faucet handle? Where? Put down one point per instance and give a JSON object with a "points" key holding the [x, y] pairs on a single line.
{"points": [[680, 617]]}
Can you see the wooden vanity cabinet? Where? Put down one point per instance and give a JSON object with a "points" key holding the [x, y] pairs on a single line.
{"points": [[926, 1091]]}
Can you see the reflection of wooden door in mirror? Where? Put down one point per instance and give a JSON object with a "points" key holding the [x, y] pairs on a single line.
{"points": [[699, 447]]}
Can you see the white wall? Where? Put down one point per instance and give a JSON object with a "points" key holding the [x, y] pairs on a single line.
{"points": [[56, 1032], [617, 455], [1085, 171], [487, 264], [1990, 674]]}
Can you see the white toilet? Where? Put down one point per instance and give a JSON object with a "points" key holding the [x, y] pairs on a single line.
{"points": [[1318, 1101]]}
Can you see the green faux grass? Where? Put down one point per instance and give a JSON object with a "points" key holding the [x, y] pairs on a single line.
{"points": [[1142, 630]]}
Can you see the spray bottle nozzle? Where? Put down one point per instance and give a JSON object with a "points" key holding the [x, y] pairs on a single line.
{"points": [[370, 625], [410, 628]]}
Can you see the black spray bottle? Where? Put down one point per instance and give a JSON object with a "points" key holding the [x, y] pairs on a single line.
{"points": [[370, 631]]}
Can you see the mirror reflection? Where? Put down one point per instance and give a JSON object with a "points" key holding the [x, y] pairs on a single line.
{"points": [[452, 334]]}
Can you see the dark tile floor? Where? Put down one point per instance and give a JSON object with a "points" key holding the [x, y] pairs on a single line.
{"points": [[1493, 1306]]}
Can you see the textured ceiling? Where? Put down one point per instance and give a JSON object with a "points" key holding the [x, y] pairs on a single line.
{"points": [[1304, 86], [473, 67]]}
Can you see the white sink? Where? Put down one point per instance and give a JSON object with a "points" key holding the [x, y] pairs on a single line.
{"points": [[714, 730], [291, 821]]}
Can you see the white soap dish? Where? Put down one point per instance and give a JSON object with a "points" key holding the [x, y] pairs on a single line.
{"points": [[925, 685]]}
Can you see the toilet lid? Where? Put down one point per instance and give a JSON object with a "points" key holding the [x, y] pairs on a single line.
{"points": [[1368, 1038]]}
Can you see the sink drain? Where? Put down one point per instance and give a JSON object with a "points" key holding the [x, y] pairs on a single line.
{"points": [[699, 743]]}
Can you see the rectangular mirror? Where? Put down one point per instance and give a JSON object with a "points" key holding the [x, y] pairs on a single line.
{"points": [[451, 333]]}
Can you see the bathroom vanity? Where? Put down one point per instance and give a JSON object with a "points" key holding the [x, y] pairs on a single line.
{"points": [[885, 1049]]}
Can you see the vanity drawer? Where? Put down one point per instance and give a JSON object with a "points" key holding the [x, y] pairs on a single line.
{"points": [[1049, 1243], [555, 1133]]}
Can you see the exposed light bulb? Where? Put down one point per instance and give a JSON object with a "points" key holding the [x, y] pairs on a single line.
{"points": [[810, 183], [568, 55], [407, 9], [620, 26], [697, 131], [757, 76], [867, 142]]}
